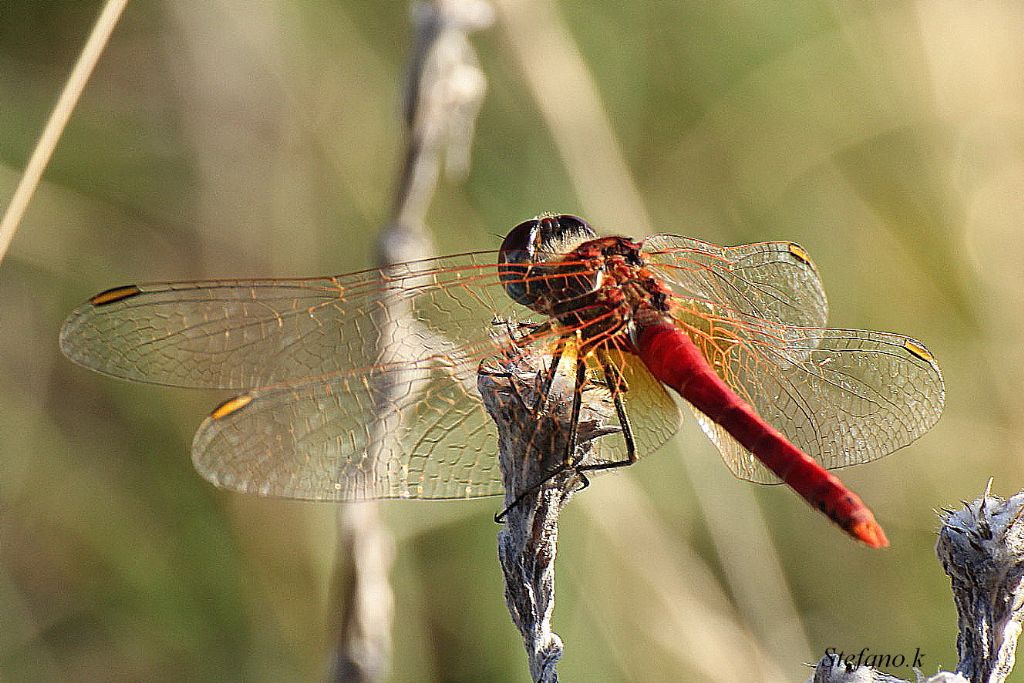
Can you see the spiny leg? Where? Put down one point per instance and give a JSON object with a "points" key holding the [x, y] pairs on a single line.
{"points": [[574, 415], [617, 387], [568, 460], [549, 379]]}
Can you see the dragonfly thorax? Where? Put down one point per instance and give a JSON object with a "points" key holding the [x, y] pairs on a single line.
{"points": [[596, 291]]}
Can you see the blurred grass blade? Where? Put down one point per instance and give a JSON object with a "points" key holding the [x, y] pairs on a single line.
{"points": [[59, 117]]}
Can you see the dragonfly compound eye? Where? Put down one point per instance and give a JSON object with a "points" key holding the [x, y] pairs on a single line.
{"points": [[534, 242], [517, 252]]}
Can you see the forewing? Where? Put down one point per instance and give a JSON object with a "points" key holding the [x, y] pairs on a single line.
{"points": [[239, 334], [844, 397], [774, 281]]}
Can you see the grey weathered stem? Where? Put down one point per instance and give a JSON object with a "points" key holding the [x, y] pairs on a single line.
{"points": [[444, 91], [527, 544], [830, 670], [531, 445], [981, 548], [364, 553]]}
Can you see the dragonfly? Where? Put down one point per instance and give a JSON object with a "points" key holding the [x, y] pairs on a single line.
{"points": [[364, 385]]}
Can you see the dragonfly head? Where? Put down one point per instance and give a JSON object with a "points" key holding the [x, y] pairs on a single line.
{"points": [[533, 242]]}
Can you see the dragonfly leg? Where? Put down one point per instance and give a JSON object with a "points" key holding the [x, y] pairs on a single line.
{"points": [[616, 385], [568, 461], [549, 379], [574, 415], [537, 330]]}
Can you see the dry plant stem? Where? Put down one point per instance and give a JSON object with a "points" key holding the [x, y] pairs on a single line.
{"points": [[530, 446], [368, 549], [444, 91], [981, 548], [58, 120], [443, 97], [829, 670]]}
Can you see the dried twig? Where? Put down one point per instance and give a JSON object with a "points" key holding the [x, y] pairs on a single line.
{"points": [[981, 548], [444, 92], [364, 553], [532, 444], [831, 670], [529, 447]]}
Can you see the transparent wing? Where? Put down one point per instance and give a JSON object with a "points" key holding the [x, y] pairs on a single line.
{"points": [[368, 380], [844, 397], [239, 334], [316, 439], [652, 414], [774, 281]]}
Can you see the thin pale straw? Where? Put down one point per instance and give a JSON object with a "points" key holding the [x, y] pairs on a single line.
{"points": [[73, 88]]}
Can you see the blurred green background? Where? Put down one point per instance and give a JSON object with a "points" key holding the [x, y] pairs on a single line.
{"points": [[261, 139]]}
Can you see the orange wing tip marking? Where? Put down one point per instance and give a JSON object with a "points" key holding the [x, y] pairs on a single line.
{"points": [[870, 533], [918, 350], [800, 253], [230, 406], [115, 294]]}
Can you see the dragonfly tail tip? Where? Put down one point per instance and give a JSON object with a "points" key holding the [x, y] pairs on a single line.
{"points": [[869, 533]]}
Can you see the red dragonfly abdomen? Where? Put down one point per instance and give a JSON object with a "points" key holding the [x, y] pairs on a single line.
{"points": [[674, 359]]}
